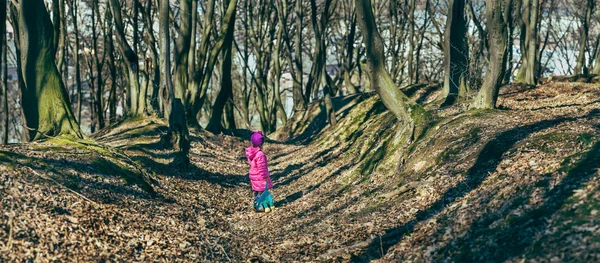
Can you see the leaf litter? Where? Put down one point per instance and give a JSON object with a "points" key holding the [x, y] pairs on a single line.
{"points": [[516, 184]]}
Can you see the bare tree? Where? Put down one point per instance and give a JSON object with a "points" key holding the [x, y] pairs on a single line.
{"points": [[529, 37], [581, 67], [225, 94], [397, 102], [177, 136], [497, 36], [456, 53], [130, 57]]}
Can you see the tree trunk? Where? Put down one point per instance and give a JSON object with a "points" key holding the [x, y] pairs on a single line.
{"points": [[183, 48], [508, 18], [412, 40], [151, 42], [497, 34], [328, 93], [397, 102], [178, 136], [45, 102], [196, 95], [581, 67], [527, 72], [276, 57], [99, 63], [112, 100], [350, 88], [456, 55], [61, 45], [4, 58], [229, 118], [131, 60], [300, 101], [596, 69], [226, 92], [14, 21], [74, 12], [198, 100]]}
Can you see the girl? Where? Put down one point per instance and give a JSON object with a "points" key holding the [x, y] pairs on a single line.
{"points": [[259, 172]]}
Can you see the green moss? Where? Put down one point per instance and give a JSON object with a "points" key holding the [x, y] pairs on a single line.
{"points": [[372, 160], [585, 138], [479, 112]]}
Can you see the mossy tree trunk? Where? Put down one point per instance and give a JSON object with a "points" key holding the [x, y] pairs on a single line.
{"points": [[456, 55], [596, 69], [182, 44], [45, 102], [397, 102], [581, 66], [497, 36], [226, 92]]}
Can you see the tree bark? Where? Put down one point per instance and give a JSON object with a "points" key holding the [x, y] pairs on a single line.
{"points": [[131, 59], [527, 72], [508, 18], [497, 34], [199, 98], [62, 27], [581, 66], [99, 64], [183, 48], [177, 136], [596, 69], [397, 102], [151, 42], [300, 101], [45, 102], [4, 58], [74, 12], [350, 88], [226, 92], [412, 40], [112, 99], [456, 53]]}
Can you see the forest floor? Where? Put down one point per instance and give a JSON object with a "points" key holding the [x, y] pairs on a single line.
{"points": [[521, 183]]}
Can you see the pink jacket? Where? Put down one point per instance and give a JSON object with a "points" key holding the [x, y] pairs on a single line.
{"points": [[259, 172]]}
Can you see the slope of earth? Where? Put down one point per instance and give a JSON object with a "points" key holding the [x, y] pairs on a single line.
{"points": [[504, 185], [64, 201]]}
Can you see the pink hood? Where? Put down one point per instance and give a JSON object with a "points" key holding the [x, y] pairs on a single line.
{"points": [[259, 171]]}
